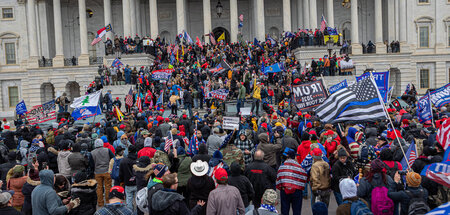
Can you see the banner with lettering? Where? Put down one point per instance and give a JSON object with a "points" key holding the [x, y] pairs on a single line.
{"points": [[424, 109], [382, 80], [341, 85], [218, 94], [162, 74], [441, 96], [309, 95], [42, 113]]}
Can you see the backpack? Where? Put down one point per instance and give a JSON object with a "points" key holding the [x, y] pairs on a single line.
{"points": [[363, 153], [417, 205], [381, 203], [358, 208], [115, 169], [105, 99], [141, 200], [391, 171]]}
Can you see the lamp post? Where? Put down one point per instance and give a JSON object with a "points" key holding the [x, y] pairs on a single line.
{"points": [[219, 9], [330, 45]]}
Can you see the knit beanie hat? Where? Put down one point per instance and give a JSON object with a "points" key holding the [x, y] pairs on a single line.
{"points": [[98, 143], [342, 153], [162, 169], [348, 188], [413, 179], [376, 166]]}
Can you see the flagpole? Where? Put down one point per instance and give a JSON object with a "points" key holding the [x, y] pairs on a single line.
{"points": [[392, 124], [431, 109]]}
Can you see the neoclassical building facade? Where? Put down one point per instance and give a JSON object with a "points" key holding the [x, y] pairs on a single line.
{"points": [[45, 44]]}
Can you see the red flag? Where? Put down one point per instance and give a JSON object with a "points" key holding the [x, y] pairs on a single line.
{"points": [[199, 43], [323, 24], [211, 38], [139, 103]]}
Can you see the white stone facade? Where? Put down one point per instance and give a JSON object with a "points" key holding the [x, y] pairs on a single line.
{"points": [[33, 35]]}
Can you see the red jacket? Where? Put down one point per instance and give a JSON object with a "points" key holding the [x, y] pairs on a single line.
{"points": [[147, 151], [303, 150], [110, 147]]}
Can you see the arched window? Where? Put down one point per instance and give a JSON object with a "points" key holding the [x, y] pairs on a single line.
{"points": [[72, 90], [47, 92]]}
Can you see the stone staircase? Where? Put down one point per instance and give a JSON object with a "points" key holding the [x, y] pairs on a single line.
{"points": [[120, 91]]}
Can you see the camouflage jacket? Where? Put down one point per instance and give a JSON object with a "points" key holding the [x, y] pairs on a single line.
{"points": [[231, 154]]}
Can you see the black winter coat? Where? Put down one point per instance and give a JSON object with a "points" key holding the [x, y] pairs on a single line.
{"points": [[27, 189], [198, 188], [341, 171], [9, 139], [241, 183], [77, 162], [4, 168], [126, 173], [261, 175], [86, 191], [168, 201]]}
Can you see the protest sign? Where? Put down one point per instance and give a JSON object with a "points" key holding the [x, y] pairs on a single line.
{"points": [[441, 96], [162, 74], [218, 94], [309, 95], [382, 80], [230, 123], [42, 113], [340, 85]]}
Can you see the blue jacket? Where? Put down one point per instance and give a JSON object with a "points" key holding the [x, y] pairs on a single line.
{"points": [[44, 198]]}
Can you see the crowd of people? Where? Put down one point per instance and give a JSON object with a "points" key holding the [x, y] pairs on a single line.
{"points": [[146, 162]]}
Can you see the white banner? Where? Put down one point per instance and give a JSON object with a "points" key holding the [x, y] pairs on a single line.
{"points": [[230, 123], [246, 111], [87, 100]]}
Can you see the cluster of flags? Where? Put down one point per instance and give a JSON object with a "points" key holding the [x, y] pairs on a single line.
{"points": [[100, 33]]}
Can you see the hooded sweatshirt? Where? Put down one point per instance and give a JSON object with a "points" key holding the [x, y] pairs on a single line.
{"points": [[101, 157], [147, 150], [44, 198], [24, 151], [63, 163], [270, 150]]}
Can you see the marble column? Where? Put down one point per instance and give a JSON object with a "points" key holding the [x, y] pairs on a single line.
{"points": [[108, 17], [206, 19], [58, 60], [299, 15], [260, 23], [381, 48], [32, 36], [138, 18], [133, 18], [233, 21], [313, 14], [153, 19], [126, 18], [402, 27], [330, 13], [83, 59], [181, 16], [306, 14], [356, 47], [287, 15]]}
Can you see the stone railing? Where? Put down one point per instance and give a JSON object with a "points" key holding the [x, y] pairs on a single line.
{"points": [[95, 60], [45, 62], [70, 61]]}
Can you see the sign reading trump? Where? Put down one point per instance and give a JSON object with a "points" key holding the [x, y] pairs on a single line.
{"points": [[309, 95]]}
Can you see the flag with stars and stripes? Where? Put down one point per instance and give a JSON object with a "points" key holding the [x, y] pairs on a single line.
{"points": [[323, 24], [169, 142], [358, 102], [411, 156], [129, 98]]}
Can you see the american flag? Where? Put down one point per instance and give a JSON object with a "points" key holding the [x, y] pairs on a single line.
{"points": [[129, 98], [96, 40], [411, 154], [358, 102], [211, 38], [139, 103], [443, 134], [169, 142], [323, 24]]}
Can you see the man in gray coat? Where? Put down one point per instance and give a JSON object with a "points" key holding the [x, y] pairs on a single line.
{"points": [[214, 141], [101, 157]]}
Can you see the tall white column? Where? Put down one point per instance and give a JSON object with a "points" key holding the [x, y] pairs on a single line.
{"points": [[287, 15], [403, 27], [260, 26], [126, 18], [83, 59], [153, 19], [313, 14], [330, 13], [138, 18], [181, 16], [58, 60], [381, 48], [233, 21], [356, 47], [108, 20], [299, 14], [306, 14], [133, 17], [32, 36], [206, 19]]}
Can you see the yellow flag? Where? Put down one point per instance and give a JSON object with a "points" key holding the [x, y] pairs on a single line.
{"points": [[119, 114], [222, 37], [182, 50]]}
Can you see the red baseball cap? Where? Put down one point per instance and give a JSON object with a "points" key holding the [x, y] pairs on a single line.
{"points": [[221, 174]]}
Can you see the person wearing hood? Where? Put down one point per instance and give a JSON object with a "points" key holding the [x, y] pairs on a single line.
{"points": [[231, 154], [63, 158], [246, 146], [391, 166], [351, 134], [304, 148], [84, 189], [44, 199], [122, 140], [376, 178], [127, 177], [24, 151], [168, 201], [101, 157], [141, 169], [202, 154], [261, 175], [5, 167], [242, 183], [348, 189], [32, 182], [107, 145], [371, 136], [110, 132], [77, 161], [342, 168], [15, 181], [199, 185], [217, 161], [147, 150], [270, 150], [214, 141], [183, 170]]}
